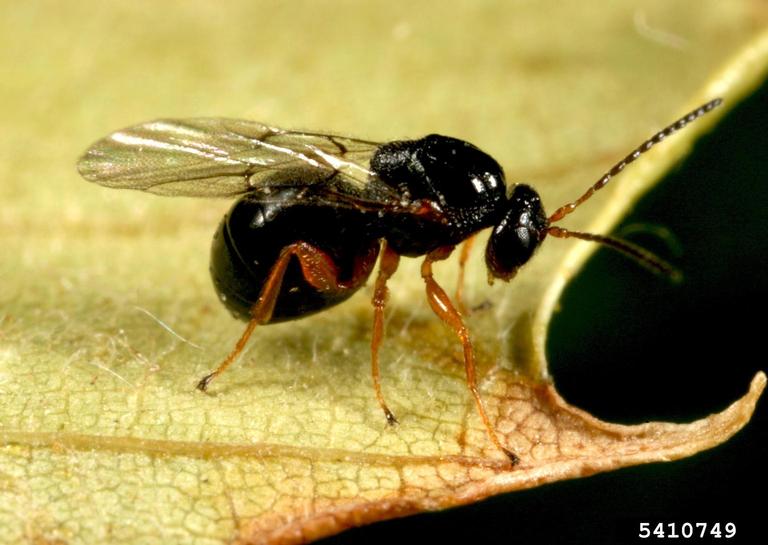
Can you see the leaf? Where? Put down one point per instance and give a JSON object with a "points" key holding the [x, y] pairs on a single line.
{"points": [[102, 435]]}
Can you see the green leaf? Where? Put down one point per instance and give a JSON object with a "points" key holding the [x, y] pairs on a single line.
{"points": [[102, 435]]}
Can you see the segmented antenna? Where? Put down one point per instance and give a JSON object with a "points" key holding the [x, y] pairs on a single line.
{"points": [[563, 211], [647, 259]]}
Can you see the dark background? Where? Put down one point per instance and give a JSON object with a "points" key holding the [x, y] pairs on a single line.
{"points": [[630, 347]]}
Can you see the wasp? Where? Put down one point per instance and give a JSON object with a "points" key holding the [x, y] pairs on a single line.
{"points": [[314, 212]]}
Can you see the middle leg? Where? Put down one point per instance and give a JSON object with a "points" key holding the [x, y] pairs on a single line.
{"points": [[387, 267]]}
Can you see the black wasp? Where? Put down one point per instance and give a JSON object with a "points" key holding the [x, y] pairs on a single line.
{"points": [[315, 211]]}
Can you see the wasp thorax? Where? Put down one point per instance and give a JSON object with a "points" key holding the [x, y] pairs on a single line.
{"points": [[517, 235], [448, 171]]}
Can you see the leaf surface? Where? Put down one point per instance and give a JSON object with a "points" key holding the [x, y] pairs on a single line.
{"points": [[102, 435]]}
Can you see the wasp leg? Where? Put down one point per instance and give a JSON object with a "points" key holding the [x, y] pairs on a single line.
{"points": [[442, 306], [387, 267], [318, 269], [466, 248]]}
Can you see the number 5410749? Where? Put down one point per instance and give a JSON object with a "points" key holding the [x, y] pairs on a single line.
{"points": [[673, 530]]}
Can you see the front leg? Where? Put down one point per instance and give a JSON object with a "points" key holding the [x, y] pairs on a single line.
{"points": [[442, 306], [466, 249]]}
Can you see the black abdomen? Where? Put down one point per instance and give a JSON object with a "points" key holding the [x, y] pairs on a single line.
{"points": [[252, 235]]}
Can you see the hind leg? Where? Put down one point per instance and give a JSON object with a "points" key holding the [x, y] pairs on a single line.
{"points": [[318, 269]]}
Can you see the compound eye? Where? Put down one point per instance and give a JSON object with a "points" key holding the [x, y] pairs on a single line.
{"points": [[509, 248]]}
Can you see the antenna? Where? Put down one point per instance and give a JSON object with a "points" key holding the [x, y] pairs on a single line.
{"points": [[563, 211], [642, 256]]}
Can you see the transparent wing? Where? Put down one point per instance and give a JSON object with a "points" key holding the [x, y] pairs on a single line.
{"points": [[217, 157]]}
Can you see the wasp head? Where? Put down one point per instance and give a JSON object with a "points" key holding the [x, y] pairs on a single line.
{"points": [[515, 237]]}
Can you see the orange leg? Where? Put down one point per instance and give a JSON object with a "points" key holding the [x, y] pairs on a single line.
{"points": [[442, 306], [387, 267], [466, 248], [318, 269]]}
